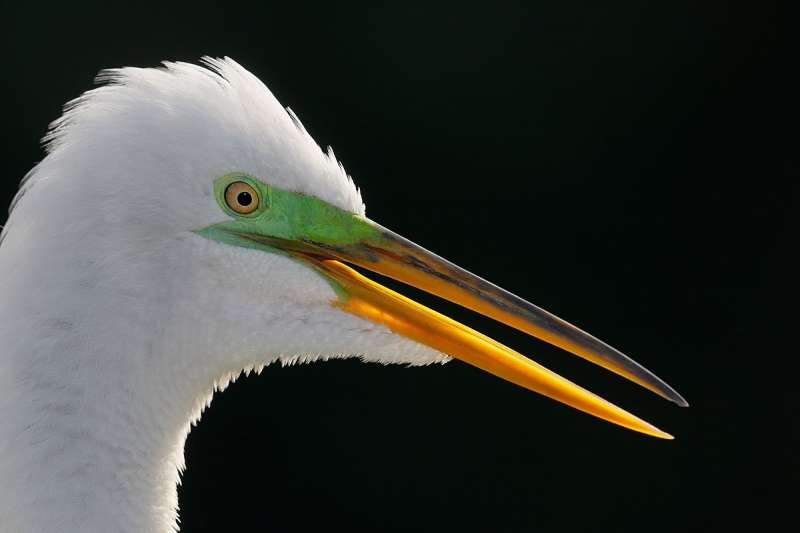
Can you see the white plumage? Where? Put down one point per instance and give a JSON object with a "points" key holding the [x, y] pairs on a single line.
{"points": [[117, 322], [119, 316]]}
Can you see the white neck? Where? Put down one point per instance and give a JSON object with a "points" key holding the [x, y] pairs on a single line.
{"points": [[97, 396], [95, 411], [98, 393], [100, 459]]}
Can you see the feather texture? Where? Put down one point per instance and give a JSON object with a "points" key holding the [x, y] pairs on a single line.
{"points": [[118, 322]]}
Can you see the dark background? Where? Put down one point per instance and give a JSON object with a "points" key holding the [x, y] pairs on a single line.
{"points": [[629, 169]]}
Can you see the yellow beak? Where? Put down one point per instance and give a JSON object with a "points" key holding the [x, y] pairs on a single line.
{"points": [[404, 261]]}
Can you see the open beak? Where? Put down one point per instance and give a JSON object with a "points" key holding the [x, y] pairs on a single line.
{"points": [[391, 255]]}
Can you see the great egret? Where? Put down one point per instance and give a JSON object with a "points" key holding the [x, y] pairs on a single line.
{"points": [[184, 227]]}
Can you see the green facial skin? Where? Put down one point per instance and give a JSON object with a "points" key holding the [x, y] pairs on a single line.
{"points": [[290, 216]]}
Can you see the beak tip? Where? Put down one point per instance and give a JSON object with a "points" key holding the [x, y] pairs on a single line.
{"points": [[678, 399], [661, 434], [668, 393]]}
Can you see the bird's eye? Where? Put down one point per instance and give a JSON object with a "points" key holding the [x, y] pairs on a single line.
{"points": [[241, 197]]}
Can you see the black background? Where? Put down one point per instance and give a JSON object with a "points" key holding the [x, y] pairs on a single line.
{"points": [[628, 168]]}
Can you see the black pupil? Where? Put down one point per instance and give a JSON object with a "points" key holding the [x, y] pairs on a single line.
{"points": [[244, 198]]}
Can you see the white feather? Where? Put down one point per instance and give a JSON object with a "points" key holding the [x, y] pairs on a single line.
{"points": [[117, 322]]}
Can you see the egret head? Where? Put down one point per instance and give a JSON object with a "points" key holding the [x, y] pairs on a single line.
{"points": [[184, 227], [190, 185]]}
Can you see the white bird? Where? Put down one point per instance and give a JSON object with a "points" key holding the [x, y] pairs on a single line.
{"points": [[184, 228]]}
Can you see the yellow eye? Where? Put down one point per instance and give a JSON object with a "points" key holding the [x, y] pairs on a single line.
{"points": [[241, 197]]}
